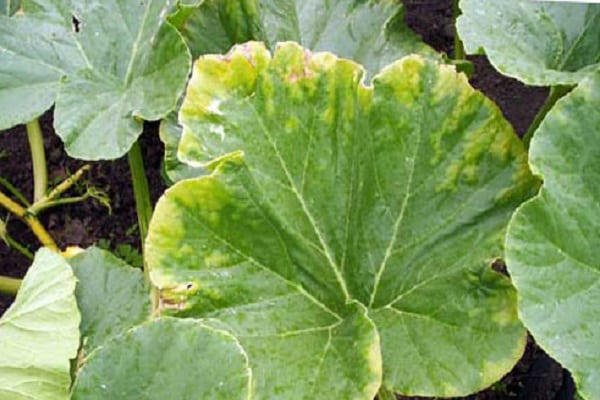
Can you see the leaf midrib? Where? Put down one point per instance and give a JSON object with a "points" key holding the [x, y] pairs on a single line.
{"points": [[397, 223]]}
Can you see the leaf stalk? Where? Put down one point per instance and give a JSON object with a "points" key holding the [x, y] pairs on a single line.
{"points": [[385, 394], [52, 198], [459, 48], [38, 158], [9, 286], [556, 92], [13, 243], [143, 206], [31, 220]]}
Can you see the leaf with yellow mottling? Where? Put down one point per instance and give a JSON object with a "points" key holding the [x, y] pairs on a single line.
{"points": [[353, 244]]}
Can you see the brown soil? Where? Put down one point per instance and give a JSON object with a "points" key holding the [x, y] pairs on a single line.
{"points": [[535, 377]]}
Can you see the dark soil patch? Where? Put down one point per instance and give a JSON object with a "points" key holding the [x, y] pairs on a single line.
{"points": [[82, 224], [535, 377]]}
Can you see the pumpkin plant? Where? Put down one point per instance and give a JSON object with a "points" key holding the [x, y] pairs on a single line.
{"points": [[333, 213], [331, 227], [550, 238]]}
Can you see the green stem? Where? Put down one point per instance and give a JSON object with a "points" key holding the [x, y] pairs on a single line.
{"points": [[141, 193], [385, 394], [143, 206], [62, 187], [14, 191], [17, 246], [9, 286], [34, 224], [459, 49], [556, 92], [60, 202], [38, 159]]}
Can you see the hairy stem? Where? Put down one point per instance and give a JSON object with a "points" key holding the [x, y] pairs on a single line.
{"points": [[34, 224], [9, 286], [556, 92], [385, 394], [459, 49], [38, 159]]}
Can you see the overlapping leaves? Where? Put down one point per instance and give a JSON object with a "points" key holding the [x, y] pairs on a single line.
{"points": [[108, 65], [370, 32], [552, 239], [345, 233], [111, 295], [539, 43]]}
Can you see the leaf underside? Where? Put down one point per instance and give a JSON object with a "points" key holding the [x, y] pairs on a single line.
{"points": [[344, 226], [552, 239], [39, 333], [539, 43]]}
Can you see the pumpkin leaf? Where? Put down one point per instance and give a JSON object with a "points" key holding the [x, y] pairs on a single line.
{"points": [[170, 134], [370, 32], [166, 359], [111, 295], [39, 333], [332, 204], [551, 239], [109, 66], [539, 43]]}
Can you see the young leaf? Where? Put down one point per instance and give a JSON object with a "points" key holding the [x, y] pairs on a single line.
{"points": [[118, 62], [166, 359], [39, 333], [552, 239], [333, 206], [539, 43], [111, 295]]}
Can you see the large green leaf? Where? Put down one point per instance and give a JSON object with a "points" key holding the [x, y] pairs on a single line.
{"points": [[333, 206], [167, 359], [539, 43], [370, 32], [39, 333], [108, 64], [111, 295], [552, 239]]}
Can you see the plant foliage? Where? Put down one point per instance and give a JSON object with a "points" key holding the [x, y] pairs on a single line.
{"points": [[39, 333], [539, 43], [166, 359], [107, 65], [552, 238], [338, 213]]}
